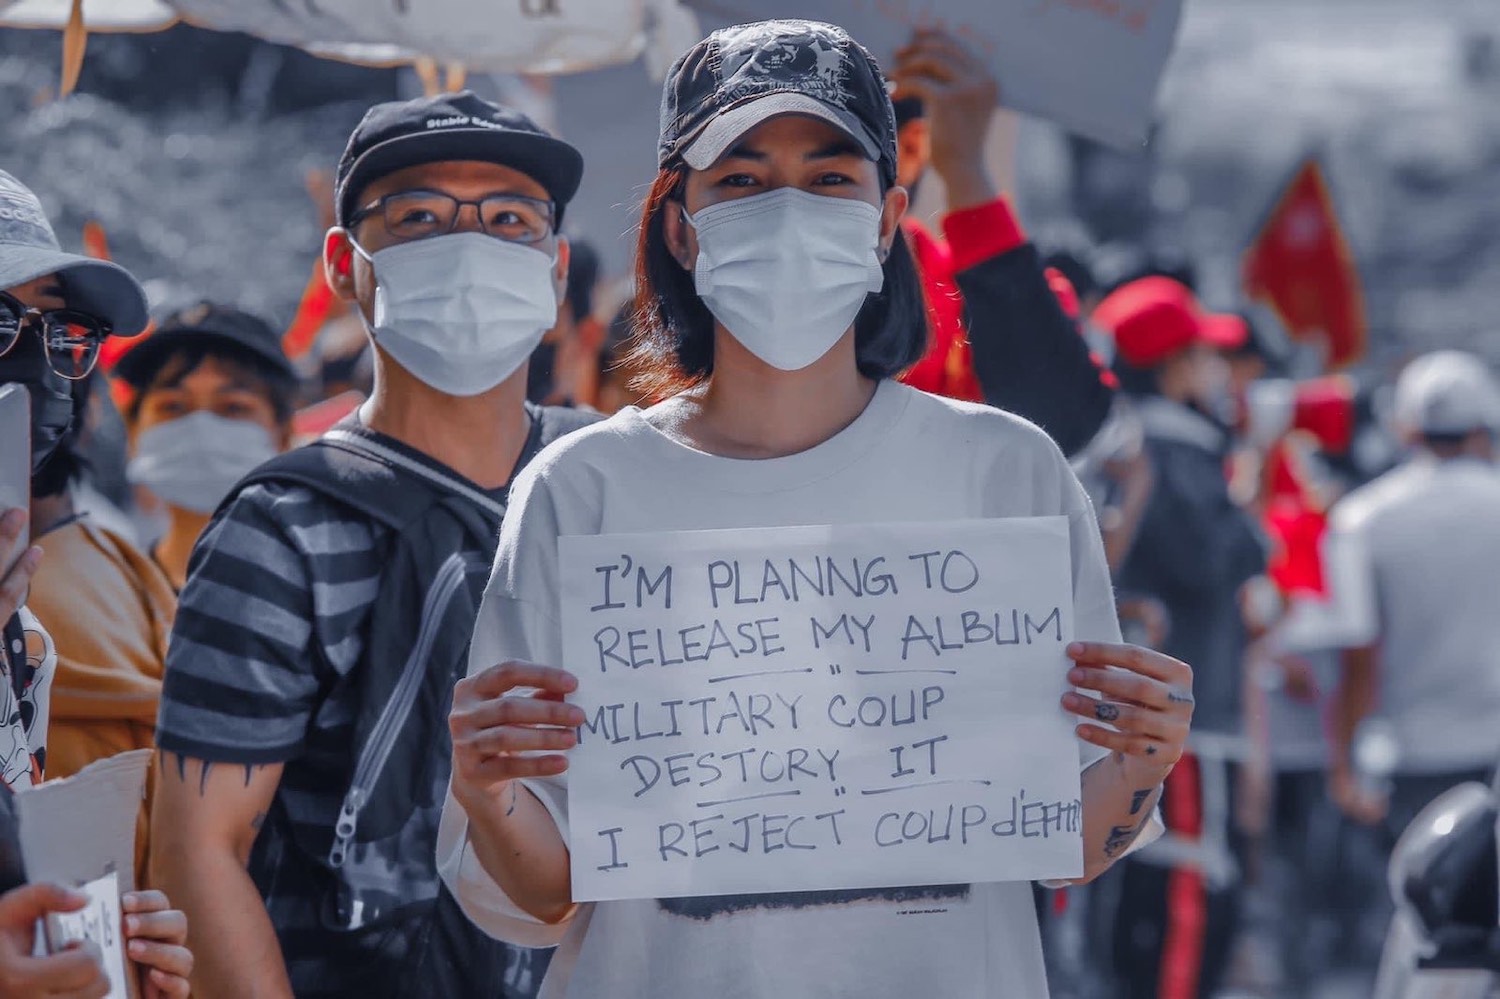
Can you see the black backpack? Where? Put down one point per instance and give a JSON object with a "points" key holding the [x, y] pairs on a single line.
{"points": [[382, 893]]}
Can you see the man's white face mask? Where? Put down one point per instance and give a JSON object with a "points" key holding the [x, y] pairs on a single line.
{"points": [[462, 312]]}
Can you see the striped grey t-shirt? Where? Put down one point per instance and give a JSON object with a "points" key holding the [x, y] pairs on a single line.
{"points": [[264, 666]]}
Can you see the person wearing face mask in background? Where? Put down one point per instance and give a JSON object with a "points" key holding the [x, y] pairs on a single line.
{"points": [[56, 310], [210, 397], [1000, 334], [1193, 553], [564, 367], [329, 604]]}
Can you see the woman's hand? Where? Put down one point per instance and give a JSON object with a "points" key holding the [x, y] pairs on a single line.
{"points": [[1147, 698], [75, 973], [509, 722], [156, 939], [13, 584]]}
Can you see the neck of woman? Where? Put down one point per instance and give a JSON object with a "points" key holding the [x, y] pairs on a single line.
{"points": [[749, 409]]}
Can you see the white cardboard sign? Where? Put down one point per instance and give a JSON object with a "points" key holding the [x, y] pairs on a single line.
{"points": [[810, 708], [1092, 66]]}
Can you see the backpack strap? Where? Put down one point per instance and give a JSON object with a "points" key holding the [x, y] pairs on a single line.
{"points": [[368, 477]]}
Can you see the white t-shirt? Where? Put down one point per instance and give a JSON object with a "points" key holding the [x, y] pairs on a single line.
{"points": [[1414, 563], [30, 665], [909, 457]]}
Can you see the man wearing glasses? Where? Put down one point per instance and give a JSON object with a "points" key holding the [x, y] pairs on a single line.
{"points": [[55, 311], [328, 607]]}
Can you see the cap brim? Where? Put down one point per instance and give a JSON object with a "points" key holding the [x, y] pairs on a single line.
{"points": [[1226, 332], [97, 286], [724, 130], [552, 163], [136, 364]]}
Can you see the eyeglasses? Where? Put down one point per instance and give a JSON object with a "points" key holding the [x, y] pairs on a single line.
{"points": [[411, 215], [70, 338]]}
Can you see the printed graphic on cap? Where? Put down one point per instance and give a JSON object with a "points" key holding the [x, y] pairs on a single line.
{"points": [[18, 205], [780, 55]]}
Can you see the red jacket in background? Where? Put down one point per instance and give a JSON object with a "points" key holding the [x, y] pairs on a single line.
{"points": [[999, 333]]}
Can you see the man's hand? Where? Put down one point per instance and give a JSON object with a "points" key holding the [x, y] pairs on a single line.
{"points": [[497, 732], [960, 97], [73, 974], [15, 582], [156, 939]]}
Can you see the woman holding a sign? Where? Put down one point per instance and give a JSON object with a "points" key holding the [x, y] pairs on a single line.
{"points": [[778, 301]]}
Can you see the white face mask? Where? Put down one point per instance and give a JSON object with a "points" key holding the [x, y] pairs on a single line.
{"points": [[462, 312], [786, 271], [194, 461]]}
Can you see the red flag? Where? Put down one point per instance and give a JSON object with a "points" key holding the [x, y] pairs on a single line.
{"points": [[1300, 265], [96, 245], [318, 305]]}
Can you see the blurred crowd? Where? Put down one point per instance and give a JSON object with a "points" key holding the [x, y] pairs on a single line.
{"points": [[1320, 545]]}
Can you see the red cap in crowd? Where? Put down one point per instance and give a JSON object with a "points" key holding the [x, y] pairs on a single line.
{"points": [[1155, 317]]}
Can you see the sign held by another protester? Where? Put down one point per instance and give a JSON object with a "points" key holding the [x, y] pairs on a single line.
{"points": [[1092, 66], [806, 708]]}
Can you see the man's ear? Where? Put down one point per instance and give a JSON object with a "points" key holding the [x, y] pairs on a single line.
{"points": [[338, 263], [682, 243], [894, 209]]}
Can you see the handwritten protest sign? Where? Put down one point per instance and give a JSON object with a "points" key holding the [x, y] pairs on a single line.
{"points": [[807, 708], [1092, 66], [98, 923]]}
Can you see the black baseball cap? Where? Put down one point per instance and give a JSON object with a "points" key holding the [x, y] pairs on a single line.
{"points": [[461, 126], [203, 323], [738, 77]]}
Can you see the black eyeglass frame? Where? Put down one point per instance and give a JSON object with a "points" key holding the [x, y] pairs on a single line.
{"points": [[377, 207], [48, 321]]}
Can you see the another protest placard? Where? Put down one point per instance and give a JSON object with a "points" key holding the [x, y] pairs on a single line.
{"points": [[1092, 66], [804, 708]]}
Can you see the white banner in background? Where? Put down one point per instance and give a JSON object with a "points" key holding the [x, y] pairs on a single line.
{"points": [[805, 708], [1092, 66], [500, 36]]}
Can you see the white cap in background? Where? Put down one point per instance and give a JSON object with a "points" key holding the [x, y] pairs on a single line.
{"points": [[1448, 392]]}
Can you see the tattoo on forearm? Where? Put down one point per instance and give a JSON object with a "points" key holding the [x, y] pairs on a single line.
{"points": [[510, 809], [1106, 712], [1120, 837], [1177, 696]]}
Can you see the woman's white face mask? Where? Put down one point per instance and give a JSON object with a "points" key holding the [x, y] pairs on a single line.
{"points": [[786, 272]]}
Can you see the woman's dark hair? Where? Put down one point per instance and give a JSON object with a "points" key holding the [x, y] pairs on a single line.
{"points": [[179, 362], [673, 338]]}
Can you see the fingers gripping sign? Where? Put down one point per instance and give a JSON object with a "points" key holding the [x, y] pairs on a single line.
{"points": [[74, 972], [508, 722], [1142, 704]]}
